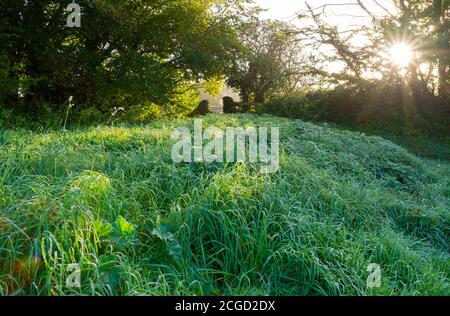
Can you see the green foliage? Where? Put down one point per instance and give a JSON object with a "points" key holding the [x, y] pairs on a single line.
{"points": [[111, 200], [9, 119], [9, 78], [163, 231], [121, 233], [375, 107], [89, 114], [212, 86], [126, 53], [296, 106], [91, 183], [268, 61], [143, 113], [110, 271]]}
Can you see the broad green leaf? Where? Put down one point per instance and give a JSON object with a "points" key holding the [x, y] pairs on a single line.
{"points": [[103, 229], [124, 227]]}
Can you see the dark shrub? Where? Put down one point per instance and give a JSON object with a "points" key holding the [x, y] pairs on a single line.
{"points": [[202, 109], [297, 106], [376, 105], [229, 106]]}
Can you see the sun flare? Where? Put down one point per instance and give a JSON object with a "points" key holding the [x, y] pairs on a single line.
{"points": [[401, 54]]}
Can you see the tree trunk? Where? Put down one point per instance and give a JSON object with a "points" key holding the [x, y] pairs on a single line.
{"points": [[443, 47], [443, 76], [244, 95], [260, 97]]}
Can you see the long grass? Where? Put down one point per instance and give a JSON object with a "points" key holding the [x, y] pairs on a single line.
{"points": [[110, 200]]}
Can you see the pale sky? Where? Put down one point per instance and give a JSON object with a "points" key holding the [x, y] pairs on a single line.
{"points": [[341, 15], [280, 9]]}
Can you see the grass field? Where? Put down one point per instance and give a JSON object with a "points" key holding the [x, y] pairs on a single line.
{"points": [[110, 200]]}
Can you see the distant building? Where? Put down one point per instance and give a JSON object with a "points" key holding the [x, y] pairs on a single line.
{"points": [[216, 102]]}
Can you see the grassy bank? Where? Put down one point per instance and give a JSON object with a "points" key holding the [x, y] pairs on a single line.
{"points": [[422, 145], [112, 201]]}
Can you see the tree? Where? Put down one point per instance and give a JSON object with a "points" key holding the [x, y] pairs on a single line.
{"points": [[125, 52], [269, 61], [424, 25]]}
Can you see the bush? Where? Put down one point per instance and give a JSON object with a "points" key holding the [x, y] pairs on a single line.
{"points": [[202, 109], [375, 105], [90, 114], [9, 119], [295, 106], [229, 106], [143, 112]]}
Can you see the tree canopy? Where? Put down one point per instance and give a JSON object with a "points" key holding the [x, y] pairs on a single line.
{"points": [[126, 51], [270, 62]]}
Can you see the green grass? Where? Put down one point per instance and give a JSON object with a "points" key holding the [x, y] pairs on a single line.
{"points": [[422, 145], [111, 200]]}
